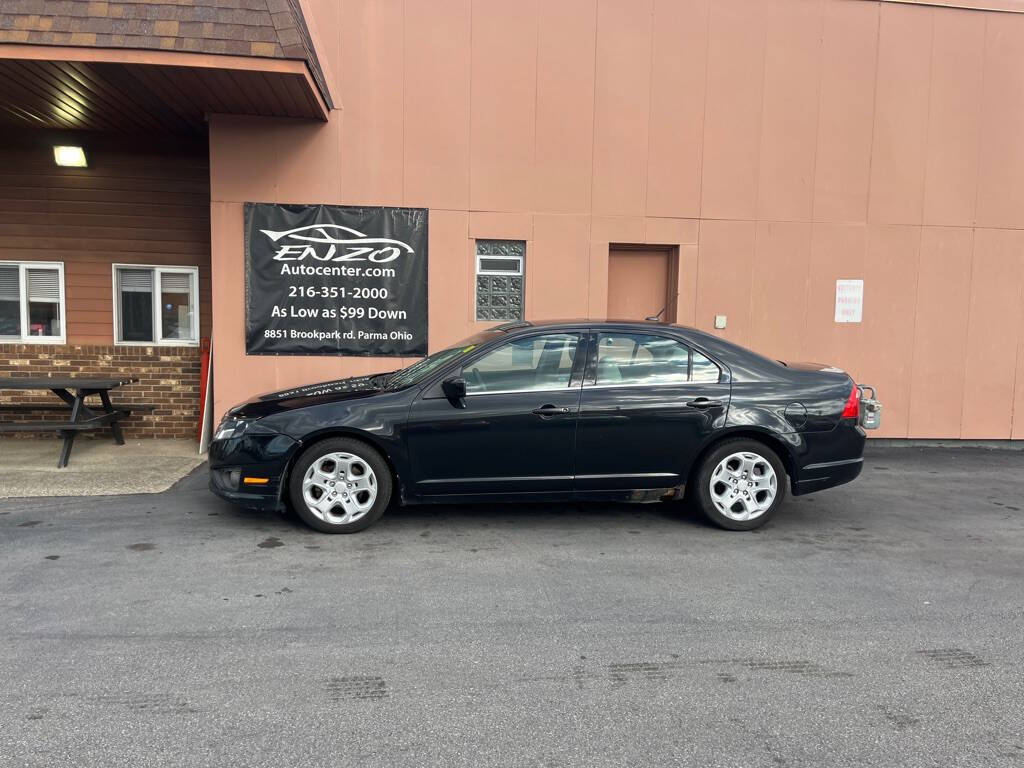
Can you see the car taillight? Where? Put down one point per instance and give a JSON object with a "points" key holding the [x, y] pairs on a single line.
{"points": [[852, 408]]}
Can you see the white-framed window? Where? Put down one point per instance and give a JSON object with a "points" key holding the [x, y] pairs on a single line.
{"points": [[500, 279], [156, 305], [32, 302]]}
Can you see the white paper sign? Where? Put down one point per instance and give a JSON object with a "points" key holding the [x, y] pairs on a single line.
{"points": [[849, 301]]}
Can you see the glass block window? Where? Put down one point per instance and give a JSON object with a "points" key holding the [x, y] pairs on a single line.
{"points": [[500, 279]]}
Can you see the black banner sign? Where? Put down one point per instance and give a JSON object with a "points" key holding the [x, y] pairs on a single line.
{"points": [[335, 280]]}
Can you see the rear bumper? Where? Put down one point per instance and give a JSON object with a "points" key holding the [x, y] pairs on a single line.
{"points": [[817, 477], [833, 458]]}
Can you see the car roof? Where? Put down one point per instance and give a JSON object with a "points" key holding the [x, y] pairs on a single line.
{"points": [[524, 325], [710, 342]]}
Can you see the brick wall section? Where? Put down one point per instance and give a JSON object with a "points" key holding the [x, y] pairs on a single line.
{"points": [[168, 379]]}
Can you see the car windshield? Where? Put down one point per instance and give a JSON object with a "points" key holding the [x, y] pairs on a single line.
{"points": [[421, 369]]}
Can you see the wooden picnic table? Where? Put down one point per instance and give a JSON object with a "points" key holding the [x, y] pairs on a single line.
{"points": [[82, 417]]}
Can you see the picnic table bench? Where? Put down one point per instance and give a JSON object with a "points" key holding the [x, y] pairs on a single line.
{"points": [[82, 417]]}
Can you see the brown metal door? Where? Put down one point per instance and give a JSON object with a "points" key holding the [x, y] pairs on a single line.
{"points": [[638, 284]]}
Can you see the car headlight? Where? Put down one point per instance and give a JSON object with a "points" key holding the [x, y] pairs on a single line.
{"points": [[232, 428]]}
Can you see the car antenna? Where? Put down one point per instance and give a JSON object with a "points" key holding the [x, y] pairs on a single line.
{"points": [[657, 317]]}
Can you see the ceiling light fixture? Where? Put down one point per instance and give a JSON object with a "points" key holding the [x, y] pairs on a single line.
{"points": [[70, 157]]}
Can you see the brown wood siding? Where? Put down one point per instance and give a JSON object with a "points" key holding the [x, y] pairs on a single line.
{"points": [[134, 98], [139, 202]]}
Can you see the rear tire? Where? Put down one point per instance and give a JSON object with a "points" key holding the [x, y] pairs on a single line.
{"points": [[340, 485], [740, 484]]}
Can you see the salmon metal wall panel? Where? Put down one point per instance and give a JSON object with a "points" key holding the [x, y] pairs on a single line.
{"points": [[676, 133], [901, 114], [837, 253], [622, 106], [437, 77], [597, 290], [724, 275], [503, 105], [1018, 394], [778, 301], [954, 117], [227, 263], [940, 333], [233, 142], [890, 304], [686, 284], [557, 285], [450, 275], [789, 125], [1001, 168], [565, 106], [997, 277], [732, 117], [372, 92], [306, 162], [670, 231], [846, 111]]}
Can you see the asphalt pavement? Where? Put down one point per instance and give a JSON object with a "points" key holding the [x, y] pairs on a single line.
{"points": [[881, 623]]}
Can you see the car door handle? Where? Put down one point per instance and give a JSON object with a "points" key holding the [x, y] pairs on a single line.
{"points": [[550, 410], [703, 402]]}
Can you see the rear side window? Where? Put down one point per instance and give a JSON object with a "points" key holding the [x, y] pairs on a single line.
{"points": [[625, 359], [703, 370], [641, 359]]}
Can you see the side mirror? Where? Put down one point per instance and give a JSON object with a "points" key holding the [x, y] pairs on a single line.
{"points": [[454, 389]]}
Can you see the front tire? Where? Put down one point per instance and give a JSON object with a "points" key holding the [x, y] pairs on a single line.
{"points": [[340, 485], [740, 484]]}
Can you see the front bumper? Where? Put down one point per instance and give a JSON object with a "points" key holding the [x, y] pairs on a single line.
{"points": [[269, 496], [254, 456]]}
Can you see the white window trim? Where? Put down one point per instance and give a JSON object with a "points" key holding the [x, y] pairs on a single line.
{"points": [[158, 341], [481, 271], [26, 338]]}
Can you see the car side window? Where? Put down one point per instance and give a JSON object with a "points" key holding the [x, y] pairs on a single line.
{"points": [[703, 370], [523, 365], [627, 359]]}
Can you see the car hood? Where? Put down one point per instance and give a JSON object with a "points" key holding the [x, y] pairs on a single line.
{"points": [[351, 388]]}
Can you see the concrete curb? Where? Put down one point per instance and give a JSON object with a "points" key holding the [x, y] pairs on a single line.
{"points": [[993, 445]]}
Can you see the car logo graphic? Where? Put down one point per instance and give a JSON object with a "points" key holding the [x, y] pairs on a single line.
{"points": [[356, 238], [352, 243]]}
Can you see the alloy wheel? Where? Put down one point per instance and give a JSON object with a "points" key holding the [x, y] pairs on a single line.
{"points": [[339, 488], [743, 486]]}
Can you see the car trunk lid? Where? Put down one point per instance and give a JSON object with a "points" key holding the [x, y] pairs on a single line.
{"points": [[805, 366]]}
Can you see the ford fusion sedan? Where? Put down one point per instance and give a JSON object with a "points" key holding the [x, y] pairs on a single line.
{"points": [[535, 412]]}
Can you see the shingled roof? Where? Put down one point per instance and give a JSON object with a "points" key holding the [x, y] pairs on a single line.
{"points": [[263, 28]]}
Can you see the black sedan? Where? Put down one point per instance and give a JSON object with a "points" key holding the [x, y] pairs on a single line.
{"points": [[570, 410]]}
